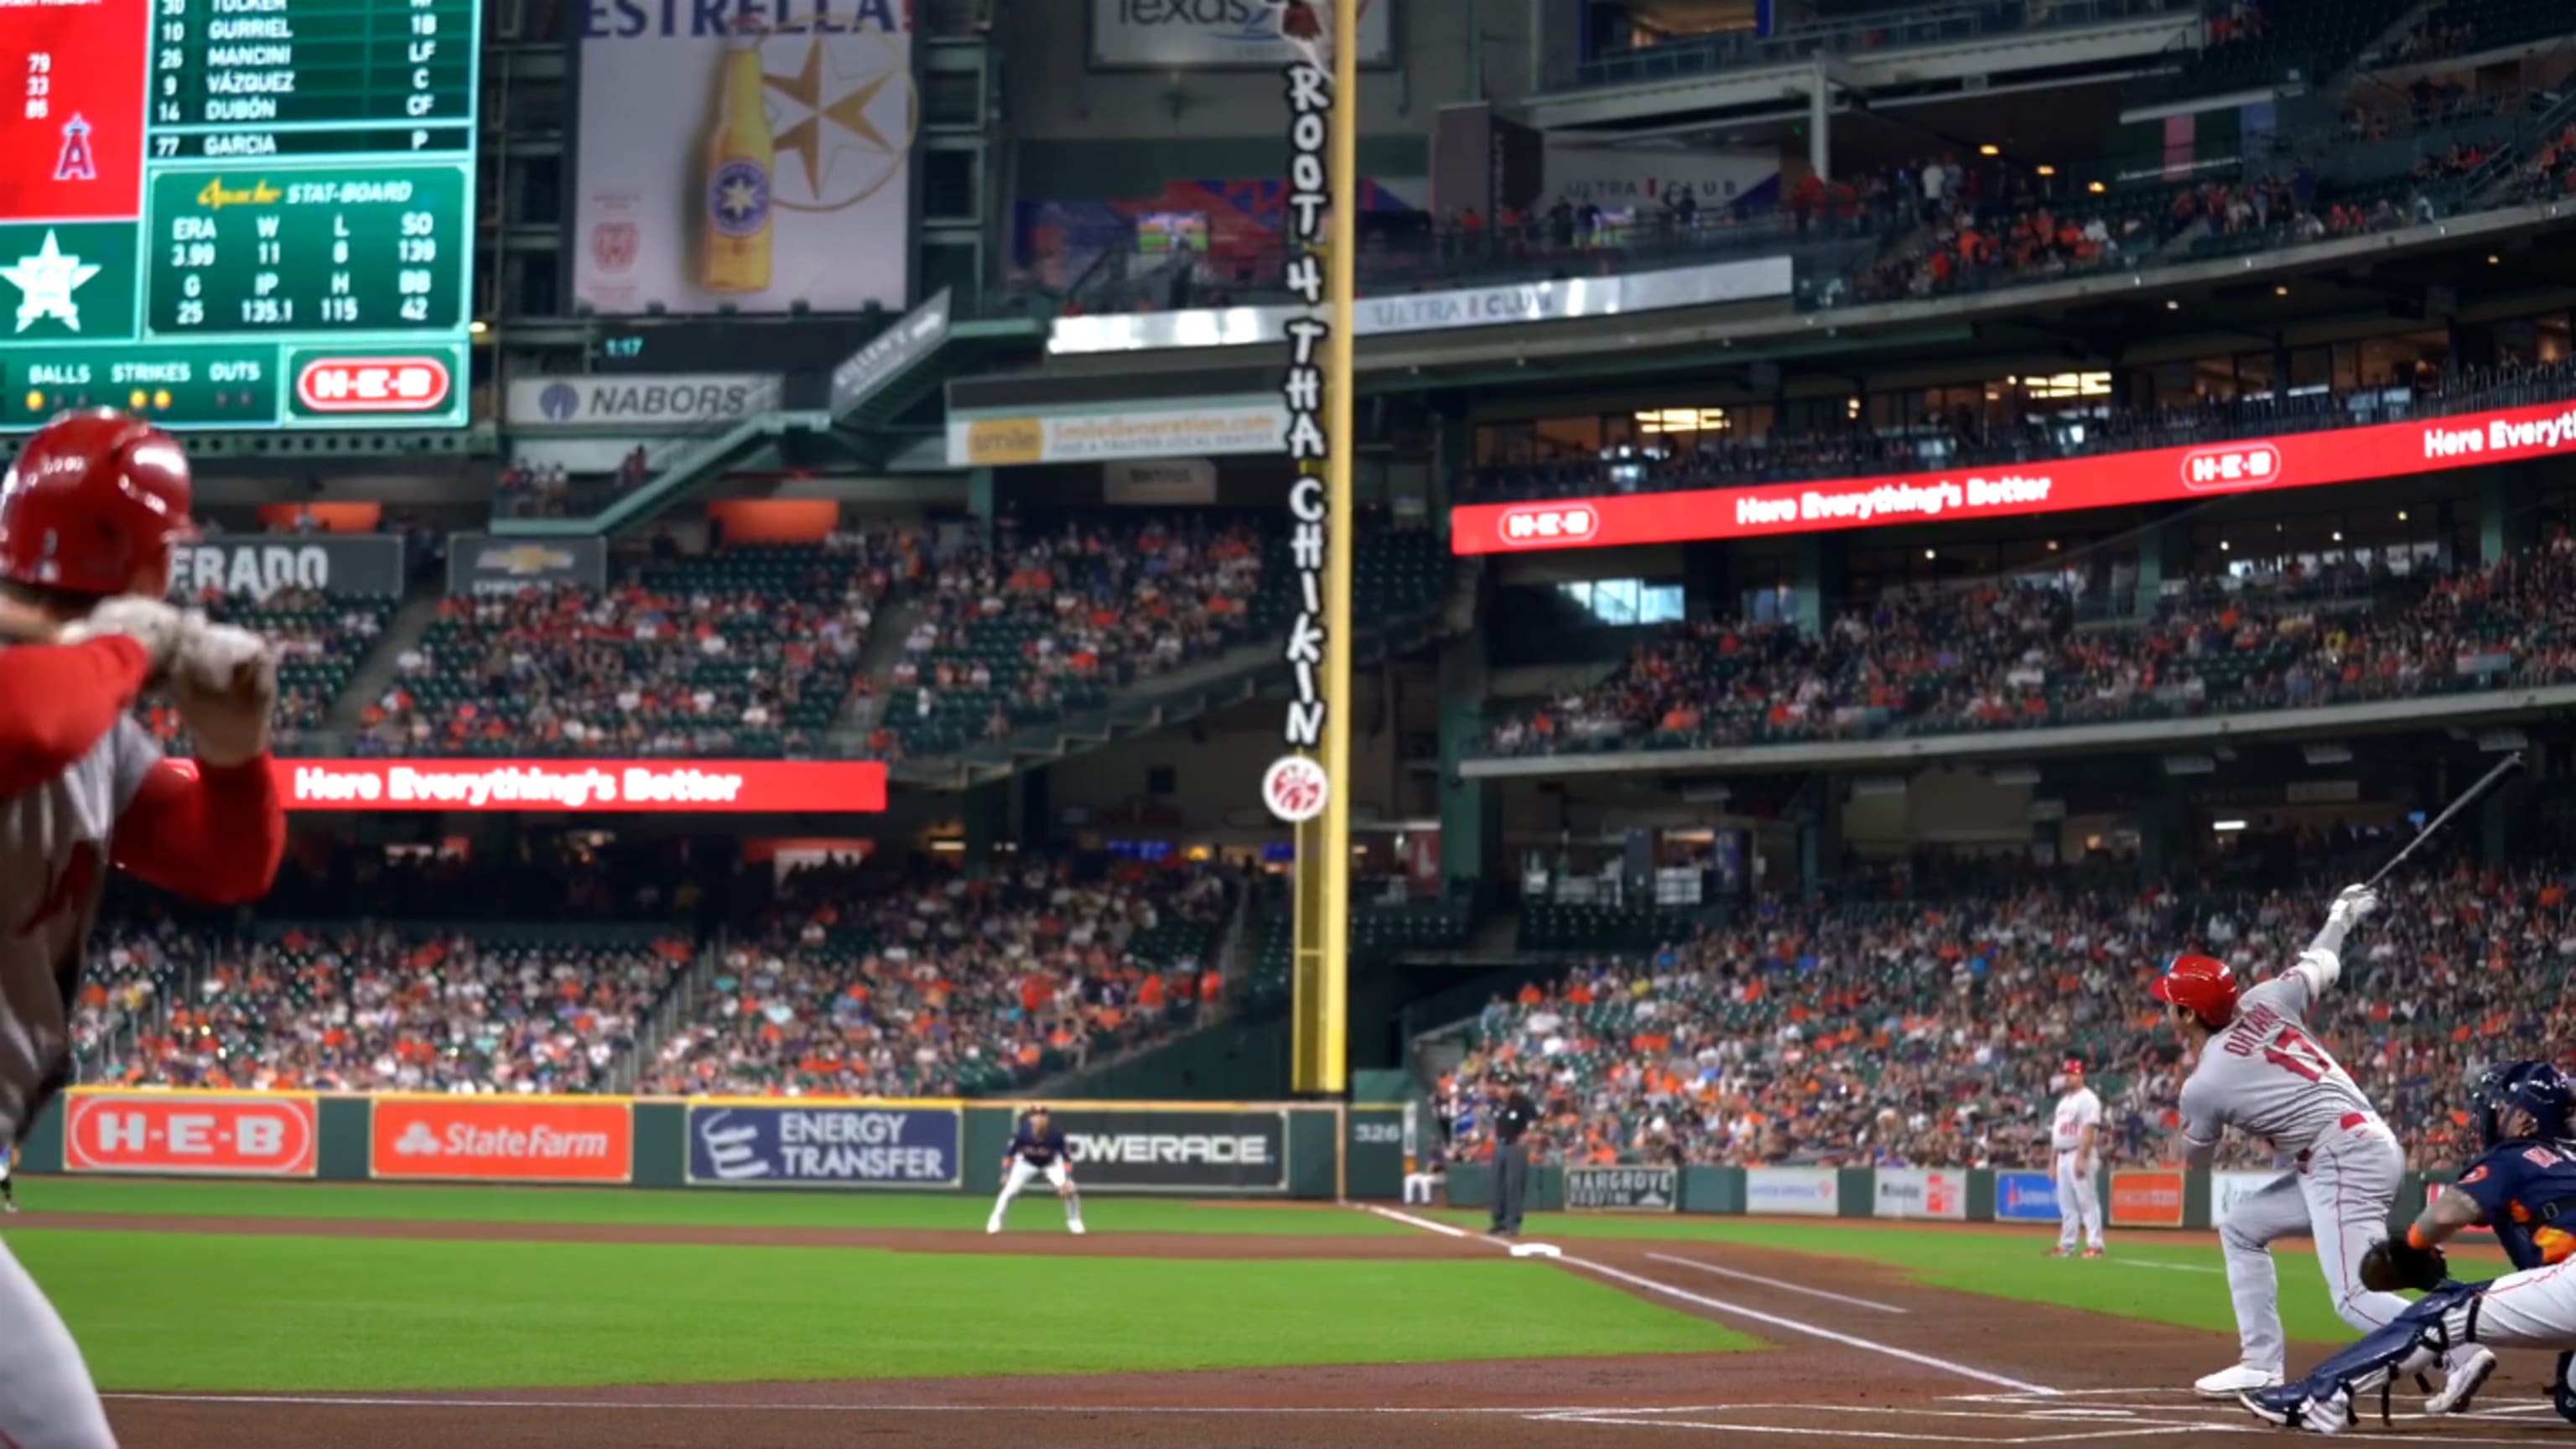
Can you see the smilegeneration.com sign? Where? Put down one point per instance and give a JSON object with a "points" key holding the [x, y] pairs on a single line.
{"points": [[1200, 1151], [2300, 460], [820, 1145], [1206, 428], [2025, 1197], [1503, 305], [585, 787], [1213, 34]]}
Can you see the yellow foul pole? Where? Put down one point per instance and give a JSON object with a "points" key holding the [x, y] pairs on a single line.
{"points": [[1319, 723], [1340, 409]]}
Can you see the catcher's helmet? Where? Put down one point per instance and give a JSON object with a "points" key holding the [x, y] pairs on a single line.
{"points": [[2202, 985], [92, 504], [2537, 1088]]}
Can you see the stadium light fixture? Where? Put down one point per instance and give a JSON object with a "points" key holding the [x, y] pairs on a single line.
{"points": [[2401, 515], [1990, 149], [2047, 170], [2227, 827], [2172, 305], [2096, 187]]}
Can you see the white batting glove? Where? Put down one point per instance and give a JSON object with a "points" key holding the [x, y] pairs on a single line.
{"points": [[211, 654], [2352, 906], [160, 628]]}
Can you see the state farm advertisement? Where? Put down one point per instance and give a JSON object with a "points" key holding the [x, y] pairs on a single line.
{"points": [[710, 787], [249, 1135], [2300, 460], [501, 1139]]}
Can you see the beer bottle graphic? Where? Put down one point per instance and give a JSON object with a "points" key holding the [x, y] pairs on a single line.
{"points": [[741, 157]]}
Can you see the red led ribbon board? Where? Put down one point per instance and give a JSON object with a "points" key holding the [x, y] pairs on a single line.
{"points": [[584, 787], [71, 110], [2299, 460]]}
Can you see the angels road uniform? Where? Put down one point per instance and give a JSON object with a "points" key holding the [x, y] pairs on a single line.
{"points": [[82, 787], [1035, 1154], [2079, 1195], [2266, 1076]]}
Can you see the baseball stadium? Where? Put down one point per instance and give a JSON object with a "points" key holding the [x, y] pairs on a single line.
{"points": [[1287, 722]]}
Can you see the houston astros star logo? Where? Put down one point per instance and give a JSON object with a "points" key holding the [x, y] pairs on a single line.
{"points": [[845, 109], [45, 284]]}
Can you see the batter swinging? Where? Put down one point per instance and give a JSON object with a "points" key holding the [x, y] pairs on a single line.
{"points": [[2258, 1070]]}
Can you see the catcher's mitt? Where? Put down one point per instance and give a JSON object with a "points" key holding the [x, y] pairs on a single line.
{"points": [[2395, 1264]]}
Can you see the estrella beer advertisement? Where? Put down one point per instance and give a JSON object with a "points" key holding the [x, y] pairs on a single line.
{"points": [[751, 156]]}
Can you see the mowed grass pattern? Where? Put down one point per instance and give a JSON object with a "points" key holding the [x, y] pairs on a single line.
{"points": [[177, 1311]]}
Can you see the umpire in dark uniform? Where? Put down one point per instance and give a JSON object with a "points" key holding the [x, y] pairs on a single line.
{"points": [[1513, 1114]]}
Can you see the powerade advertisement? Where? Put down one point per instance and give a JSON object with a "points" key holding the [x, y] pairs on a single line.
{"points": [[820, 1146], [2025, 1197]]}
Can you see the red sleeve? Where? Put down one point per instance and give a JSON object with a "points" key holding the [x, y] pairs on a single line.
{"points": [[212, 834], [56, 701]]}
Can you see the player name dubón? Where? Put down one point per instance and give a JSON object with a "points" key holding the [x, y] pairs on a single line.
{"points": [[250, 30]]}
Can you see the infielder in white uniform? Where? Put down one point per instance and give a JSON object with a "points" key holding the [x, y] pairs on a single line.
{"points": [[2258, 1069], [2075, 1149], [87, 515], [1038, 1150]]}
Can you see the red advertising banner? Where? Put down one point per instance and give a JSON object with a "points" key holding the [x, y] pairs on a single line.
{"points": [[71, 111], [251, 1135], [2146, 1199], [502, 1139], [741, 787], [2301, 460]]}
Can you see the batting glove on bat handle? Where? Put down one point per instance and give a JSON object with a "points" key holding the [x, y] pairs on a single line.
{"points": [[2353, 906], [162, 629]]}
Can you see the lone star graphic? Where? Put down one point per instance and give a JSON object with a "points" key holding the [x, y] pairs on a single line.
{"points": [[739, 200], [831, 126], [45, 284]]}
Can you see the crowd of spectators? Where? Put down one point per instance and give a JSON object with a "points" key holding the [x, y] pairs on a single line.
{"points": [[738, 652], [369, 1009], [2007, 655], [1924, 1033], [943, 984], [549, 490], [1060, 612]]}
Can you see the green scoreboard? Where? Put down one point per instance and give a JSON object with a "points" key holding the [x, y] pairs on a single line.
{"points": [[237, 213]]}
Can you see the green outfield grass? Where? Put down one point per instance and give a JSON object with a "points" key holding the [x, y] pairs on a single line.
{"points": [[361, 1202], [2145, 1277], [175, 1311]]}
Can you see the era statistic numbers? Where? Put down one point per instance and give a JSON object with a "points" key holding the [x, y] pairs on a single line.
{"points": [[370, 248], [252, 67]]}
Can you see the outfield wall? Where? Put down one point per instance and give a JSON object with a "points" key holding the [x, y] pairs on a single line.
{"points": [[1196, 1149], [2131, 1198]]}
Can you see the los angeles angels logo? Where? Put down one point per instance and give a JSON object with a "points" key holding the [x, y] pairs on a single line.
{"points": [[76, 162]]}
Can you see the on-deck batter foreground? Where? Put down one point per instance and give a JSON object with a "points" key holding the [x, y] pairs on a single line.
{"points": [[88, 513], [2256, 1068]]}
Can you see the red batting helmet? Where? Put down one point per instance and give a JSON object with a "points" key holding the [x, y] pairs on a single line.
{"points": [[94, 500], [2201, 985], [2074, 1067]]}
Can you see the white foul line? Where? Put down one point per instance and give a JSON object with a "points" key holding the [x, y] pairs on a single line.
{"points": [[1775, 1283], [625, 1406], [1715, 1305]]}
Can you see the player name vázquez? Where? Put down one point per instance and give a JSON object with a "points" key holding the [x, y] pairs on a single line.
{"points": [[250, 82]]}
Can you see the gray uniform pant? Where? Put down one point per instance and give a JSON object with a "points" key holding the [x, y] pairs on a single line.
{"points": [[1511, 1186]]}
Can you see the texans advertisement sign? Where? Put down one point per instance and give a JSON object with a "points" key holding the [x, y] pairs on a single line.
{"points": [[821, 1145]]}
